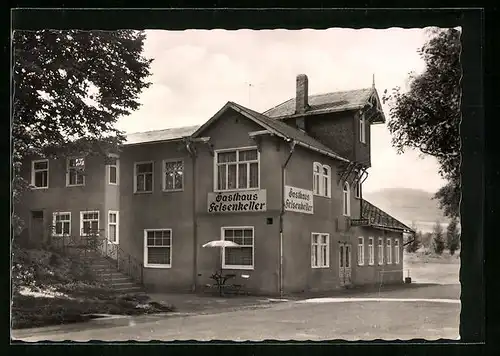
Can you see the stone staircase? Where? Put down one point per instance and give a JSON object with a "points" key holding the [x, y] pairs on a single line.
{"points": [[108, 273]]}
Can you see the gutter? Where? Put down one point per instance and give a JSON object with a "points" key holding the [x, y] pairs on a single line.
{"points": [[282, 212]]}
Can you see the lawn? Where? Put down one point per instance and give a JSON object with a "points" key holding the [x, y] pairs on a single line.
{"points": [[426, 267], [50, 288]]}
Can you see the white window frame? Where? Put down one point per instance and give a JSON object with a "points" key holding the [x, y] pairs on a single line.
{"points": [[362, 129], [82, 220], [117, 224], [389, 251], [396, 251], [54, 215], [151, 265], [319, 178], [319, 245], [357, 189], [34, 171], [361, 251], [236, 150], [108, 171], [222, 237], [152, 177], [371, 251], [164, 174], [380, 251], [346, 199], [68, 172]]}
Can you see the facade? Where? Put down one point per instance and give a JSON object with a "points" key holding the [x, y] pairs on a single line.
{"points": [[285, 185]]}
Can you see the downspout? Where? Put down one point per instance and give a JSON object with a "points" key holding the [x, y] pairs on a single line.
{"points": [[282, 212], [195, 227]]}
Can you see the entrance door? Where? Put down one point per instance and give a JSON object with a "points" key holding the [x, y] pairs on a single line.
{"points": [[345, 263], [36, 227]]}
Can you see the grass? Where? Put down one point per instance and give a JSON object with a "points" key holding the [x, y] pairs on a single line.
{"points": [[427, 267], [50, 289]]}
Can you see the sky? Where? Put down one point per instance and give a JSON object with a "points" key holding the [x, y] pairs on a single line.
{"points": [[195, 72]]}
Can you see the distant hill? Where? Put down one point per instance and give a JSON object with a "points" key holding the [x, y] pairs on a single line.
{"points": [[408, 205]]}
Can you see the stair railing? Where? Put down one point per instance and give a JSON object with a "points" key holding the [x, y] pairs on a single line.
{"points": [[120, 259]]}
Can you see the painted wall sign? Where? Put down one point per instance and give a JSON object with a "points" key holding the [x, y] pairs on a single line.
{"points": [[299, 200], [237, 202]]}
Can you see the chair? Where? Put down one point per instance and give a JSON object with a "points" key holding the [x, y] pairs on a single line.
{"points": [[239, 286]]}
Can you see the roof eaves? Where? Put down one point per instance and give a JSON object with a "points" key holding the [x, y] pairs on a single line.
{"points": [[299, 142], [318, 112], [155, 141]]}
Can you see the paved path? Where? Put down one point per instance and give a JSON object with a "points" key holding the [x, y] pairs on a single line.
{"points": [[367, 318]]}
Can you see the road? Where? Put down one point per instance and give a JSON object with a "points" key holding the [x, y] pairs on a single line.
{"points": [[320, 319]]}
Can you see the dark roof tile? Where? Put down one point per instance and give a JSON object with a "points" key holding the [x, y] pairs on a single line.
{"points": [[329, 102], [379, 218]]}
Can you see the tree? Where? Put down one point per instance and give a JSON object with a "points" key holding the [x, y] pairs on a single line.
{"points": [[415, 240], [427, 116], [452, 236], [438, 238], [70, 87], [427, 239]]}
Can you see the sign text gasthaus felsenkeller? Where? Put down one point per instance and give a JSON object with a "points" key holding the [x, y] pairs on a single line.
{"points": [[237, 202], [298, 200]]}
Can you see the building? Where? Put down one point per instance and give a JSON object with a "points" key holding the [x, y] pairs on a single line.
{"points": [[286, 185]]}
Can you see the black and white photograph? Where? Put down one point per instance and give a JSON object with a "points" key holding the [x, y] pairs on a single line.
{"points": [[239, 185]]}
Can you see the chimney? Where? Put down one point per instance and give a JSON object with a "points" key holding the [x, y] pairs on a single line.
{"points": [[301, 97]]}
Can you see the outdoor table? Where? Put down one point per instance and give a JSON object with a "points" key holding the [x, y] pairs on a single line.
{"points": [[221, 279]]}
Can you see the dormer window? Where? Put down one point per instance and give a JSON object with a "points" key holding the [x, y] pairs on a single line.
{"points": [[362, 129]]}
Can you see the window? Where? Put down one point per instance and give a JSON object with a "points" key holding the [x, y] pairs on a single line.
{"points": [[241, 257], [362, 129], [357, 190], [396, 251], [113, 226], [322, 178], [75, 171], [361, 251], [237, 169], [158, 248], [61, 224], [389, 251], [113, 172], [143, 177], [40, 173], [173, 175], [371, 251], [380, 251], [346, 200], [89, 222], [317, 178], [320, 251]]}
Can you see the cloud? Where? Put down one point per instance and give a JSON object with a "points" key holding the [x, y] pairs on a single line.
{"points": [[195, 72]]}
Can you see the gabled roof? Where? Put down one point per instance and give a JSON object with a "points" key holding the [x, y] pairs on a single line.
{"points": [[275, 127], [380, 219], [326, 103], [160, 135]]}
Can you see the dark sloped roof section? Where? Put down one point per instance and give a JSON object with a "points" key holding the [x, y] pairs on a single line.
{"points": [[379, 218], [324, 103], [160, 135], [287, 130]]}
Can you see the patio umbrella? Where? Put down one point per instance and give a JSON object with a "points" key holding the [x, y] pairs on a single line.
{"points": [[221, 244]]}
